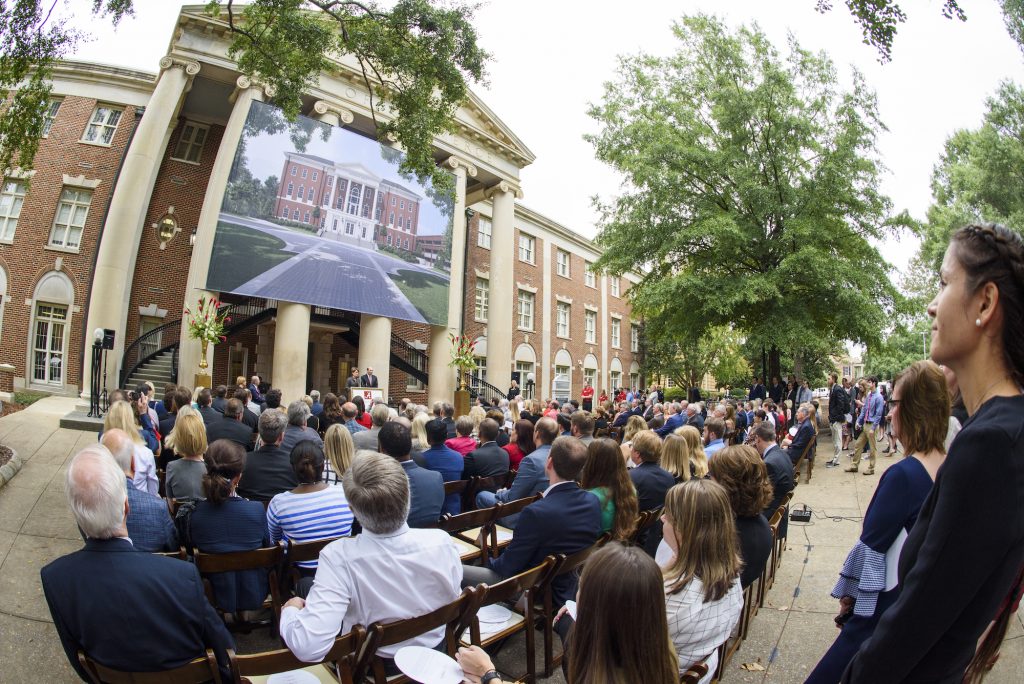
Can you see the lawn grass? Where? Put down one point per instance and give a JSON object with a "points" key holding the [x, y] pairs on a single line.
{"points": [[428, 293], [240, 254]]}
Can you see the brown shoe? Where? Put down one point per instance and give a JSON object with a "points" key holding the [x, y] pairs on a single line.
{"points": [[869, 471], [851, 469]]}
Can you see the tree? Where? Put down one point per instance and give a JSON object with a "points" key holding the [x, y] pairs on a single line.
{"points": [[687, 359], [751, 194], [414, 60], [980, 176]]}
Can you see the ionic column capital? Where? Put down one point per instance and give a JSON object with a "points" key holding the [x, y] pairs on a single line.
{"points": [[457, 162], [503, 187], [243, 83], [190, 66], [323, 107]]}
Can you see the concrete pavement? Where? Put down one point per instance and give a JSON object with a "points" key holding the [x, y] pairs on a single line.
{"points": [[786, 637]]}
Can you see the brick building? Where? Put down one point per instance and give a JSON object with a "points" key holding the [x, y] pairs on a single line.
{"points": [[114, 229]]}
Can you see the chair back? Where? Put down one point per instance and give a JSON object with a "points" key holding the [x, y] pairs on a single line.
{"points": [[507, 591], [644, 522], [455, 487], [694, 673], [342, 655], [306, 551], [180, 554], [380, 635], [517, 506], [202, 669], [572, 562], [271, 558]]}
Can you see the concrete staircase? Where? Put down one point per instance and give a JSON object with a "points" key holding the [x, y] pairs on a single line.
{"points": [[159, 370]]}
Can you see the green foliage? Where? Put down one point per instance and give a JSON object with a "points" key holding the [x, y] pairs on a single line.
{"points": [[980, 176], [878, 20], [687, 358], [751, 191], [676, 393], [27, 397]]}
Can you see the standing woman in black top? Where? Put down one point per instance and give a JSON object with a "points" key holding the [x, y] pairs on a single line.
{"points": [[961, 565]]}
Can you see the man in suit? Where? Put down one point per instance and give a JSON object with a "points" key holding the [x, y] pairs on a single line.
{"points": [[230, 426], [220, 398], [676, 419], [268, 470], [181, 397], [622, 416], [566, 520], [250, 418], [426, 487], [694, 417], [367, 439], [582, 426], [254, 389], [297, 430], [368, 379], [531, 477], [149, 523], [488, 459], [652, 482], [443, 460], [210, 416], [804, 435], [780, 468], [657, 419], [757, 390], [90, 591]]}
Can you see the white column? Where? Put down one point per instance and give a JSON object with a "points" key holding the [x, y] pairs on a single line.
{"points": [[605, 344], [502, 285], [122, 231], [547, 354], [375, 348], [202, 251], [442, 377], [291, 350]]}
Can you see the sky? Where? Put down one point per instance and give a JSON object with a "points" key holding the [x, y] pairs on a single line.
{"points": [[551, 59]]}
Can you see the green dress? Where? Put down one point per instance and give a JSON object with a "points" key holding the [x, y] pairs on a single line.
{"points": [[603, 495]]}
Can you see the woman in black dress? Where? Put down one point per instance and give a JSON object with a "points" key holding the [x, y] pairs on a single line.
{"points": [[962, 563]]}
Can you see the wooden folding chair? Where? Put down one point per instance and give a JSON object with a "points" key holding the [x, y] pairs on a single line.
{"points": [[522, 588], [339, 661], [809, 449], [565, 565], [269, 558], [473, 529], [732, 644], [503, 535], [202, 669], [378, 635], [645, 520], [695, 672], [768, 577], [180, 554], [299, 553], [476, 485]]}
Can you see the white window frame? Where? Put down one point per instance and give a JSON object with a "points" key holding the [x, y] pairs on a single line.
{"points": [[295, 215], [389, 239], [355, 198], [305, 173], [74, 203], [12, 199], [314, 176], [634, 338], [590, 326], [295, 170], [50, 115], [563, 312], [194, 143], [591, 375], [483, 295], [524, 309], [616, 332], [562, 262], [615, 286], [527, 248], [483, 233], [50, 320], [305, 217], [102, 125], [291, 191]]}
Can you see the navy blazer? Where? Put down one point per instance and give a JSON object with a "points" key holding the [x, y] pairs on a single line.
{"points": [[566, 520], [210, 415], [149, 522], [267, 472], [426, 495], [672, 423], [448, 463], [487, 460], [652, 483], [780, 473], [230, 429], [803, 437], [131, 610]]}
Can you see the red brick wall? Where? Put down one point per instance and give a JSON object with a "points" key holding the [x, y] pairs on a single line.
{"points": [[28, 258]]}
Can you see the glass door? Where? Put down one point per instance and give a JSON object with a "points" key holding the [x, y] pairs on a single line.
{"points": [[48, 344]]}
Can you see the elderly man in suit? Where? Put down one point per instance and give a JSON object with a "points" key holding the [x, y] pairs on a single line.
{"points": [[804, 434], [368, 379], [149, 523], [426, 487], [367, 439], [268, 470], [566, 520], [488, 459], [780, 468], [90, 591], [675, 420]]}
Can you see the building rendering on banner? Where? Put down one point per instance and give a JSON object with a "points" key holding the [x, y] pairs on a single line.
{"points": [[137, 208]]}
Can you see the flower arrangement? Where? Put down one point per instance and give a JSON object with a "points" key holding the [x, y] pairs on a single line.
{"points": [[206, 323], [462, 352]]}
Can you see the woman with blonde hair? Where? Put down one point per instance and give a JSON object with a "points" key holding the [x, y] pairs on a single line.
{"points": [[675, 458], [477, 414], [634, 425], [698, 460], [419, 435], [702, 575], [122, 416], [339, 452], [185, 475]]}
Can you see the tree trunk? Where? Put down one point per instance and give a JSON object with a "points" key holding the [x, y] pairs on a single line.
{"points": [[798, 365], [774, 362]]}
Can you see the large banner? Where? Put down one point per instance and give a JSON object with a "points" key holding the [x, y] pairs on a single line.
{"points": [[320, 215]]}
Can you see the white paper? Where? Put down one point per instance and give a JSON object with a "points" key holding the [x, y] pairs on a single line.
{"points": [[570, 608], [892, 560], [428, 666], [293, 677]]}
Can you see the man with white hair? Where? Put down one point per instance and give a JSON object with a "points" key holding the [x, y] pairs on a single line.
{"points": [[130, 611], [386, 573], [379, 415], [149, 523], [298, 414]]}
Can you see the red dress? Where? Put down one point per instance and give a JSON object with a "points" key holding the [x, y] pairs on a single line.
{"points": [[365, 420], [515, 455]]}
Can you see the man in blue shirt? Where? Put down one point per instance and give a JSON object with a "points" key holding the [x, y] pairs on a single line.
{"points": [[441, 459], [714, 434], [870, 416], [531, 477]]}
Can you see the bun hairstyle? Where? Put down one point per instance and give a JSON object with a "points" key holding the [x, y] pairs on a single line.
{"points": [[991, 253], [224, 462], [308, 462]]}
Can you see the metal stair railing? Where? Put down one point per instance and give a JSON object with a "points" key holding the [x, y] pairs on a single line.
{"points": [[481, 388]]}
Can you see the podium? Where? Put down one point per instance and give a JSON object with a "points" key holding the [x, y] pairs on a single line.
{"points": [[369, 394]]}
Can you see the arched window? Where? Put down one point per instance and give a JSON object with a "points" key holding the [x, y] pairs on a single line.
{"points": [[51, 328]]}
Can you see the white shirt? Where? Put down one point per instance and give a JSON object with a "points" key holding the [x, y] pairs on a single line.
{"points": [[145, 479], [697, 628], [370, 578], [550, 487]]}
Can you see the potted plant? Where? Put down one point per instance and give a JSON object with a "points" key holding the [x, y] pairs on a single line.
{"points": [[206, 324], [463, 359]]}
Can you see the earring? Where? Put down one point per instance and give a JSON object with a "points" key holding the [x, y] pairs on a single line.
{"points": [[977, 322]]}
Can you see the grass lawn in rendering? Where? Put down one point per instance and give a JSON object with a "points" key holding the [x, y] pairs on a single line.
{"points": [[427, 292], [240, 254]]}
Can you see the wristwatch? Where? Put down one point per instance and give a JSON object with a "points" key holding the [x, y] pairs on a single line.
{"points": [[490, 676]]}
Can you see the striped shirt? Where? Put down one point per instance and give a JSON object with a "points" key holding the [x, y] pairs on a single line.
{"points": [[309, 517]]}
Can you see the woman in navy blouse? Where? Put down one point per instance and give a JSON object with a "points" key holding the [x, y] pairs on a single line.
{"points": [[867, 583]]}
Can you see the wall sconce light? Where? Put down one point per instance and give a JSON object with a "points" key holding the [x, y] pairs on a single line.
{"points": [[469, 214], [192, 238], [167, 227]]}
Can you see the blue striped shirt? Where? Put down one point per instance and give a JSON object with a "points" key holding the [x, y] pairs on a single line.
{"points": [[309, 517]]}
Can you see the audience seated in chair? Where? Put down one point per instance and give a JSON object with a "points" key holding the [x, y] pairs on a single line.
{"points": [[650, 480], [463, 442], [605, 476], [268, 470], [149, 523], [386, 573], [127, 610], [740, 470], [230, 426], [488, 459], [185, 475], [530, 478], [297, 431], [445, 461], [426, 487]]}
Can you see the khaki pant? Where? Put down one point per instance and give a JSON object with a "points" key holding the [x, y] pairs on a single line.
{"points": [[866, 435], [837, 438]]}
